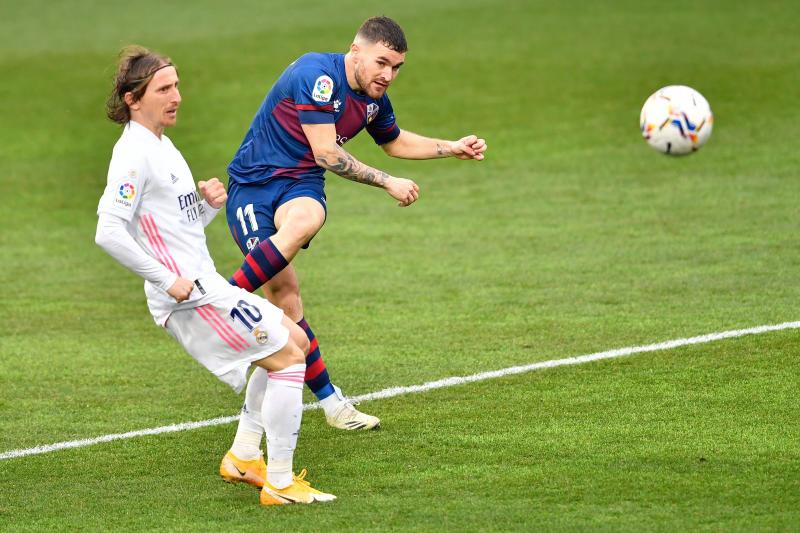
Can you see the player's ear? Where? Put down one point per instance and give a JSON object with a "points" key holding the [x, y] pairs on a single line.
{"points": [[130, 100], [354, 49]]}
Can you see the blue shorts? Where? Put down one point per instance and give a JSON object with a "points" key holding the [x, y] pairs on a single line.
{"points": [[250, 209]]}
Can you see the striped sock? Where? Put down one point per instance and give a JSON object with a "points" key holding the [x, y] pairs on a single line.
{"points": [[317, 378], [261, 265]]}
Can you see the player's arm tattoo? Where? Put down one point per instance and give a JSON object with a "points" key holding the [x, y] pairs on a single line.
{"points": [[443, 150], [340, 162]]}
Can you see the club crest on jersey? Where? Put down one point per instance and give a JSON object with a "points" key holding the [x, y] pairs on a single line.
{"points": [[261, 336], [252, 242], [125, 195], [323, 89], [372, 112]]}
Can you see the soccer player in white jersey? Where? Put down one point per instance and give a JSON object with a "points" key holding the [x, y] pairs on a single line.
{"points": [[151, 220]]}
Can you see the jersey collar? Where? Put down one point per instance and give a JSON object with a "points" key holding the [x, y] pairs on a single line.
{"points": [[141, 131]]}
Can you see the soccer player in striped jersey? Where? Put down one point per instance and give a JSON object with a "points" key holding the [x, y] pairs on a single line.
{"points": [[276, 198], [151, 219]]}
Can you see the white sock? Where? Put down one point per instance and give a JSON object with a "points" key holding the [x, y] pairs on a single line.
{"points": [[247, 442], [281, 413], [330, 403]]}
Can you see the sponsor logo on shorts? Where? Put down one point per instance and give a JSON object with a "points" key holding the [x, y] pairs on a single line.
{"points": [[372, 112], [252, 242], [323, 89], [261, 336]]}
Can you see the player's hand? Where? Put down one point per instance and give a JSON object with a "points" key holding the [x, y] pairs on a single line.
{"points": [[181, 289], [404, 191], [469, 147], [214, 192]]}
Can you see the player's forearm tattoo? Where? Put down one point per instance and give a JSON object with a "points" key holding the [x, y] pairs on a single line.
{"points": [[347, 166], [443, 150]]}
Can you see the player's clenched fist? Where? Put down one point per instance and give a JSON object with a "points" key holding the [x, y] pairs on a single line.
{"points": [[214, 192], [404, 191], [469, 147], [181, 289]]}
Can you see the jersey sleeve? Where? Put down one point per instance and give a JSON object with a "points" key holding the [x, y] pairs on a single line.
{"points": [[383, 128], [313, 90], [127, 178], [113, 237], [207, 212]]}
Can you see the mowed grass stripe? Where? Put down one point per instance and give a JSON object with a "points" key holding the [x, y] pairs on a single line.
{"points": [[428, 386]]}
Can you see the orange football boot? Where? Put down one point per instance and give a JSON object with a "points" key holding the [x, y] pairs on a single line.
{"points": [[235, 470]]}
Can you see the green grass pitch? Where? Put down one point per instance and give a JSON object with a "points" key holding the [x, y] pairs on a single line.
{"points": [[572, 237]]}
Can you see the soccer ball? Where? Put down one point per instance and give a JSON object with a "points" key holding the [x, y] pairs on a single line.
{"points": [[676, 120]]}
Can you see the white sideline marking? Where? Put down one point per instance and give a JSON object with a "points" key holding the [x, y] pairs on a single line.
{"points": [[431, 385]]}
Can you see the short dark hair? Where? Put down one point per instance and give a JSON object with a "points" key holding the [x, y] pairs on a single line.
{"points": [[384, 30], [136, 68]]}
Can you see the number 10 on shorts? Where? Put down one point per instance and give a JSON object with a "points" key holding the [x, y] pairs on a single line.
{"points": [[246, 313]]}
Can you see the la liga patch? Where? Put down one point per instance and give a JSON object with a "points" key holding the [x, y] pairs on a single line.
{"points": [[323, 89], [125, 195]]}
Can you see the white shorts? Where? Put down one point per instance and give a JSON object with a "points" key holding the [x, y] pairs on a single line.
{"points": [[231, 329]]}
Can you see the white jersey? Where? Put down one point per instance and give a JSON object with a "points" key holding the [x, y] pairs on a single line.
{"points": [[151, 187]]}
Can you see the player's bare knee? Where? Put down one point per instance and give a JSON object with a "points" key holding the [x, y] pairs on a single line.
{"points": [[303, 223], [289, 355], [297, 336], [302, 231], [302, 342], [296, 355]]}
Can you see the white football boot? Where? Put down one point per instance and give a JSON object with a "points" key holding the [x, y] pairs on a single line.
{"points": [[344, 416]]}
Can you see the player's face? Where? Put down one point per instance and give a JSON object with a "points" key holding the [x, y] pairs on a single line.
{"points": [[376, 66], [158, 107]]}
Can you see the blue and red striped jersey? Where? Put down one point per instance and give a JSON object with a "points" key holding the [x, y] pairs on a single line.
{"points": [[312, 90]]}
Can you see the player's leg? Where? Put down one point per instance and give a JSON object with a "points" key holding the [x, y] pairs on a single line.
{"points": [[292, 220], [281, 414], [281, 408], [247, 443], [244, 462], [284, 292], [264, 235], [228, 334]]}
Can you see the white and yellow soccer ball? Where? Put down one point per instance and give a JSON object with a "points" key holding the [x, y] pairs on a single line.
{"points": [[676, 120]]}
